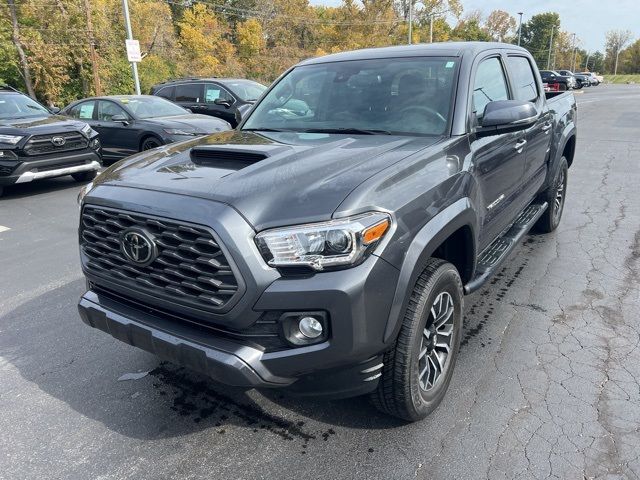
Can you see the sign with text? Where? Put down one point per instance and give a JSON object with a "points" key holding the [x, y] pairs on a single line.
{"points": [[133, 51]]}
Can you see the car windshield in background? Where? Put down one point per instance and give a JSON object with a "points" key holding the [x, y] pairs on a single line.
{"points": [[246, 90], [394, 96], [20, 106], [152, 107]]}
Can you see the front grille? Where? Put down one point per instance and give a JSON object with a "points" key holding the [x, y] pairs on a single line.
{"points": [[4, 171], [41, 144], [190, 270]]}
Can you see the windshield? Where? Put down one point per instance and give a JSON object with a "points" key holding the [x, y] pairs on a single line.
{"points": [[393, 96], [151, 107], [20, 106], [246, 89]]}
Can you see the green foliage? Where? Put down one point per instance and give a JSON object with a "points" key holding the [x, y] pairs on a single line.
{"points": [[536, 35]]}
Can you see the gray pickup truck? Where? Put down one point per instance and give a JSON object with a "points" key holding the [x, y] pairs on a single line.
{"points": [[325, 246]]}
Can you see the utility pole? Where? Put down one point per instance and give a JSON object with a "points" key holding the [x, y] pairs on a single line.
{"points": [[586, 64], [410, 21], [615, 70], [17, 41], [134, 65], [97, 87], [550, 47], [520, 28], [573, 62], [431, 28]]}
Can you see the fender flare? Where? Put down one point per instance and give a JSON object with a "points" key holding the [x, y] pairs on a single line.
{"points": [[437, 230], [569, 132]]}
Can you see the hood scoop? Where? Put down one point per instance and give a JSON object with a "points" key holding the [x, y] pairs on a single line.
{"points": [[235, 159]]}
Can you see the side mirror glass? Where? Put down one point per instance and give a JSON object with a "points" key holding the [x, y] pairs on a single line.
{"points": [[503, 116]]}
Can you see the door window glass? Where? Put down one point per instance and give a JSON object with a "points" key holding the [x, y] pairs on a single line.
{"points": [[166, 92], [107, 110], [189, 92], [215, 92], [524, 83], [83, 110], [489, 85]]}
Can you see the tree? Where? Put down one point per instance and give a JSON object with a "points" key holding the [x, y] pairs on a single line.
{"points": [[616, 40], [595, 62], [17, 41], [499, 25], [630, 58], [536, 36]]}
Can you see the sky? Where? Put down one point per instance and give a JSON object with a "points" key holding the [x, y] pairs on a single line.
{"points": [[588, 19]]}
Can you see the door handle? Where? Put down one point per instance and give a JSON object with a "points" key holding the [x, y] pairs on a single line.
{"points": [[519, 145], [546, 127]]}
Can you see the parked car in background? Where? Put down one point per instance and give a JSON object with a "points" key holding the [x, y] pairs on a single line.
{"points": [[129, 124], [226, 98], [556, 81], [593, 78], [36, 143], [580, 79]]}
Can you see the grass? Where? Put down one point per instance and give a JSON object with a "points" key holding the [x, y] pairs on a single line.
{"points": [[622, 78]]}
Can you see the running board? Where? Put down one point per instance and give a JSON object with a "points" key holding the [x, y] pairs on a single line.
{"points": [[495, 254]]}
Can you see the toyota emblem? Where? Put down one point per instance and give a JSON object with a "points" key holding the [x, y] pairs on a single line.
{"points": [[138, 247], [58, 141]]}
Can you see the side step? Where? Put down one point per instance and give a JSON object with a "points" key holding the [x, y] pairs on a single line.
{"points": [[495, 254]]}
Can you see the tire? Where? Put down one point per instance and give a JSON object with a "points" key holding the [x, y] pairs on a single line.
{"points": [[149, 143], [402, 391], [1, 191], [555, 196], [84, 176]]}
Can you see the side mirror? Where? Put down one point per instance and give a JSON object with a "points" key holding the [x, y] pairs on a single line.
{"points": [[54, 110], [504, 116], [121, 119], [222, 101]]}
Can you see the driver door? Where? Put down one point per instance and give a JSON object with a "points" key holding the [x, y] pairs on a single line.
{"points": [[119, 138]]}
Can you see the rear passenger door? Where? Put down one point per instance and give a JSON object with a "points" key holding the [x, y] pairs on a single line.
{"points": [[499, 160], [189, 95], [525, 87]]}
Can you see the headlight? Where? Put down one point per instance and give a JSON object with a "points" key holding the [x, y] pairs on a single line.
{"points": [[8, 155], [83, 192], [87, 130], [342, 242], [10, 139], [181, 131]]}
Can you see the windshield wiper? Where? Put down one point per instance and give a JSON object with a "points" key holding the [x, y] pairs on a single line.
{"points": [[355, 131], [267, 130]]}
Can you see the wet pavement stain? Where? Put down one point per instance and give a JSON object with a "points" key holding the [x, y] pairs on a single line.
{"points": [[196, 398]]}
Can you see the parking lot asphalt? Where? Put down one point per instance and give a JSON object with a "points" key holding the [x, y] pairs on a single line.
{"points": [[546, 386]]}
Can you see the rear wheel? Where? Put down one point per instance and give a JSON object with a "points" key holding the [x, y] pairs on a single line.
{"points": [[149, 143], [555, 197], [84, 176], [418, 370]]}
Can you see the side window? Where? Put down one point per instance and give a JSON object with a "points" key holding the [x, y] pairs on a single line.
{"points": [[524, 82], [83, 110], [189, 92], [489, 85], [166, 92], [213, 92], [107, 110]]}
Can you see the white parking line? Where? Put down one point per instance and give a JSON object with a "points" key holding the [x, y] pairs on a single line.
{"points": [[4, 229]]}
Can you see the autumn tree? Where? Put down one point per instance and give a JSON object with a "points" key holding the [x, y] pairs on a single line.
{"points": [[499, 25], [616, 41]]}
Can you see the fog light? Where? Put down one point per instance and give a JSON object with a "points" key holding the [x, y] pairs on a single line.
{"points": [[310, 327], [95, 144]]}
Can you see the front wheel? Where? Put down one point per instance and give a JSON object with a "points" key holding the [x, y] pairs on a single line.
{"points": [[555, 197], [150, 143], [418, 370]]}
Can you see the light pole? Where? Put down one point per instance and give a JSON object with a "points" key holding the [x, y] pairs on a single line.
{"points": [[410, 20], [520, 27], [550, 47], [134, 65], [573, 62]]}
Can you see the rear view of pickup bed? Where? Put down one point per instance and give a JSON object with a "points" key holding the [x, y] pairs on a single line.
{"points": [[325, 246]]}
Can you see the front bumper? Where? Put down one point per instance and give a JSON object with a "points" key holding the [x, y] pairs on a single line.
{"points": [[36, 168], [357, 302]]}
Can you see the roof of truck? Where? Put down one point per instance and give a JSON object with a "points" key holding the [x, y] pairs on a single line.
{"points": [[445, 49]]}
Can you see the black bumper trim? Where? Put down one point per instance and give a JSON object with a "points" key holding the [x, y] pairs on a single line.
{"points": [[222, 360]]}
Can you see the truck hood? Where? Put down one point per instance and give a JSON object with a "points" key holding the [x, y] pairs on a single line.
{"points": [[303, 177], [202, 123], [39, 125]]}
